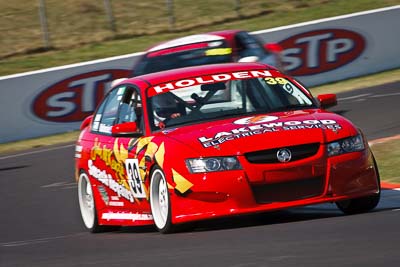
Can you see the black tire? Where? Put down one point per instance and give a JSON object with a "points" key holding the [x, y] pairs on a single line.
{"points": [[362, 204], [87, 206], [160, 202]]}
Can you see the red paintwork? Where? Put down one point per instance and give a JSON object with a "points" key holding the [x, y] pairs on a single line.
{"points": [[274, 47], [86, 122], [127, 127], [226, 193], [327, 100]]}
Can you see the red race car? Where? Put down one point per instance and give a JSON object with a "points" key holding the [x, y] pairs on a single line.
{"points": [[207, 48], [217, 140]]}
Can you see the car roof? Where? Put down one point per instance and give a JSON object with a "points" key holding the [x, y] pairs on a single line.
{"points": [[190, 39], [194, 38], [149, 80], [227, 34]]}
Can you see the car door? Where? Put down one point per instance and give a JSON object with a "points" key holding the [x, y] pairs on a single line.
{"points": [[124, 189]]}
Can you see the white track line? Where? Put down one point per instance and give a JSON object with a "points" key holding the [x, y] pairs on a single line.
{"points": [[36, 152], [384, 95], [354, 97], [36, 241]]}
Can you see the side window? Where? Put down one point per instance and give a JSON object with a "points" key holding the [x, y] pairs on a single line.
{"points": [[123, 104], [99, 113], [130, 109], [108, 111]]}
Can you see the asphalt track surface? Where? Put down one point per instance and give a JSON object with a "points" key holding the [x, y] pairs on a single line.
{"points": [[40, 224]]}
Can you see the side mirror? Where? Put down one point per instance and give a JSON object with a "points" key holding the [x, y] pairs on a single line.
{"points": [[126, 129], [327, 100], [273, 47], [86, 122]]}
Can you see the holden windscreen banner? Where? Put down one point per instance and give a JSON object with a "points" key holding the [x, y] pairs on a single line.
{"points": [[56, 100]]}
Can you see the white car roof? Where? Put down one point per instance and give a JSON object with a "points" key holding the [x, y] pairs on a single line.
{"points": [[197, 38]]}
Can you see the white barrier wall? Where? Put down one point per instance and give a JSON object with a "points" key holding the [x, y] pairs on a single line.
{"points": [[56, 100]]}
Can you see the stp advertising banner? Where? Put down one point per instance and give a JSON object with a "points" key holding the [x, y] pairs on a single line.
{"points": [[339, 48], [56, 100]]}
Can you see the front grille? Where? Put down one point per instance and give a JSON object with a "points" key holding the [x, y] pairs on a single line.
{"points": [[269, 155], [288, 191]]}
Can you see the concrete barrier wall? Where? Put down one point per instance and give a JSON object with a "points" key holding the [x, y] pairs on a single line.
{"points": [[56, 100]]}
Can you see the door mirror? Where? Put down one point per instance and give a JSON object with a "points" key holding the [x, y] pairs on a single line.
{"points": [[273, 47], [126, 129], [327, 100]]}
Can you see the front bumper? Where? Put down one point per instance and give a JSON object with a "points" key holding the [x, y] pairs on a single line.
{"points": [[268, 187]]}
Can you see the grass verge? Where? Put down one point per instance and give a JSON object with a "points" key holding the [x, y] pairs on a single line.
{"points": [[358, 83], [79, 29], [387, 155], [45, 141]]}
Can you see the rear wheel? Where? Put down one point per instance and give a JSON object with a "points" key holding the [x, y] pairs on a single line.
{"points": [[87, 205], [362, 204], [160, 202]]}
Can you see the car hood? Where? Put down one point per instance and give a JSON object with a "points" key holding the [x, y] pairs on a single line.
{"points": [[239, 135]]}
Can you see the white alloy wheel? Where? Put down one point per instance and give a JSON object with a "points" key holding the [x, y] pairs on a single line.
{"points": [[160, 202], [86, 201]]}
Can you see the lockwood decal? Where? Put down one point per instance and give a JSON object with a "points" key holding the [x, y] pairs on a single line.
{"points": [[265, 128]]}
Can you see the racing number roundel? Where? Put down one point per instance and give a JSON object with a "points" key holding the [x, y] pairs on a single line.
{"points": [[134, 179]]}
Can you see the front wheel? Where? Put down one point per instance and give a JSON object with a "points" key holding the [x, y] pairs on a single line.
{"points": [[362, 204], [358, 205], [160, 202]]}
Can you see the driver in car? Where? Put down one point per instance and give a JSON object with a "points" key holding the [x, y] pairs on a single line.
{"points": [[166, 107]]}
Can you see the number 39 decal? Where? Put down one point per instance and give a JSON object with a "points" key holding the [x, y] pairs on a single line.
{"points": [[134, 179]]}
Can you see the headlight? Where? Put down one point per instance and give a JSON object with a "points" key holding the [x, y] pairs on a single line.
{"points": [[351, 144], [213, 164]]}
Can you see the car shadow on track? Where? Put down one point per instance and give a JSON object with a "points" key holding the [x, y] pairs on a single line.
{"points": [[269, 218], [240, 221], [390, 201]]}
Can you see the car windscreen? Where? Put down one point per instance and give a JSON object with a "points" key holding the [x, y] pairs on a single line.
{"points": [[173, 58], [218, 100]]}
